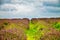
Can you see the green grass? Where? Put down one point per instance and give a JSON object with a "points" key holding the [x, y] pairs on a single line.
{"points": [[35, 32], [56, 25]]}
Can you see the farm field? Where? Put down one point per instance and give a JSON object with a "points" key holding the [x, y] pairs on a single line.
{"points": [[34, 29]]}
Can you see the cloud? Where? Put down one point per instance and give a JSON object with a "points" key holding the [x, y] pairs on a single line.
{"points": [[4, 1], [52, 6], [19, 10], [53, 1], [29, 8], [52, 9], [16, 8]]}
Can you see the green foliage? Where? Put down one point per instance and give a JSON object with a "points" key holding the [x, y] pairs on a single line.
{"points": [[56, 25], [36, 31]]}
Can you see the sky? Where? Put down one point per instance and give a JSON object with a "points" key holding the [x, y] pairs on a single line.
{"points": [[29, 8]]}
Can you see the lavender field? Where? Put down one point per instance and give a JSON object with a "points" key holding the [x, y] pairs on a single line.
{"points": [[34, 29]]}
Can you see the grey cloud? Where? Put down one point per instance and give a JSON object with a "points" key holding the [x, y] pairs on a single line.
{"points": [[51, 4], [52, 7], [4, 1], [41, 8]]}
